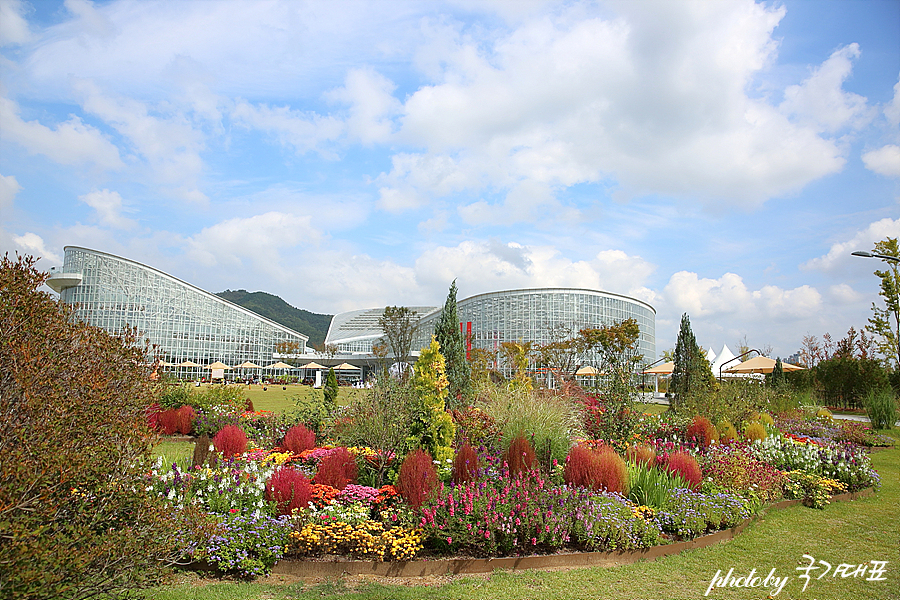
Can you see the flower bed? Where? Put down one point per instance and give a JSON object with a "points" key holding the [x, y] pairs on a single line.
{"points": [[673, 490]]}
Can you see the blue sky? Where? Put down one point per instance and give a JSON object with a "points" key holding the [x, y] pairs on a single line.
{"points": [[716, 158]]}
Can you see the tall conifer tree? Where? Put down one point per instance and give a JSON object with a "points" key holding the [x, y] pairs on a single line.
{"points": [[453, 346], [692, 372]]}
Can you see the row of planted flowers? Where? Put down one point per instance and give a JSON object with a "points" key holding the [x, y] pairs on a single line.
{"points": [[303, 500]]}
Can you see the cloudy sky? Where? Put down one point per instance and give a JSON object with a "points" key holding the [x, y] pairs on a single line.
{"points": [[719, 158]]}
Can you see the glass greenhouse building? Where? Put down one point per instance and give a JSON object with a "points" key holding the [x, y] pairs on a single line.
{"points": [[183, 321], [532, 315]]}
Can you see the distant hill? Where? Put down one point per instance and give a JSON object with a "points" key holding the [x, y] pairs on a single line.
{"points": [[276, 309]]}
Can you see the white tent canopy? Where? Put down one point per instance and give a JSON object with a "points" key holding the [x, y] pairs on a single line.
{"points": [[723, 357], [710, 355]]}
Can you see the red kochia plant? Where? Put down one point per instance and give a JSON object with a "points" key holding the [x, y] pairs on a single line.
{"points": [[230, 441], [249, 406], [299, 438], [642, 454], [185, 417], [581, 468], [519, 456], [682, 463], [612, 473], [168, 421], [702, 431], [417, 479], [337, 469], [465, 465], [289, 489]]}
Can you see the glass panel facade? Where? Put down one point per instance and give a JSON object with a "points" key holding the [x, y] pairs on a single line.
{"points": [[531, 315], [184, 322]]}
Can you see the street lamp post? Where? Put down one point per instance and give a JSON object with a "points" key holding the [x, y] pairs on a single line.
{"points": [[892, 262]]}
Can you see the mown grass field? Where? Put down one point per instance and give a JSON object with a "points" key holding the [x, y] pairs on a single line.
{"points": [[845, 532]]}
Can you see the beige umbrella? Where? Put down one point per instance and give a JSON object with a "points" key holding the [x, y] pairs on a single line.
{"points": [[663, 369], [279, 365], [188, 363], [312, 365], [218, 365], [760, 364], [587, 370], [248, 365], [346, 367]]}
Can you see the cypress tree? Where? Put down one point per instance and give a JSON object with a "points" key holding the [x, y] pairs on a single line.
{"points": [[330, 389], [453, 347], [692, 372]]}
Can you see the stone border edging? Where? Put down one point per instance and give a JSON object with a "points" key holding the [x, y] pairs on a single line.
{"points": [[423, 568]]}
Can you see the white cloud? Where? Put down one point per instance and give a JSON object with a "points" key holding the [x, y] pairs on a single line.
{"points": [[839, 256], [259, 239], [70, 143], [109, 208], [168, 143], [13, 25], [371, 105], [728, 297], [843, 294], [493, 265], [32, 243], [9, 187], [884, 161], [892, 110], [304, 132], [821, 101], [656, 98]]}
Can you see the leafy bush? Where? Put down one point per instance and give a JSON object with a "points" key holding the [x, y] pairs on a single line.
{"points": [[581, 468], [417, 479], [475, 426], [77, 520], [613, 474], [380, 419], [168, 421], [176, 396], [702, 431], [432, 426], [230, 441], [337, 469], [232, 396], [881, 406], [185, 417], [609, 416], [210, 421], [734, 400], [310, 412], [299, 438], [642, 454], [685, 466], [727, 432], [519, 457], [754, 432], [465, 465], [289, 489]]}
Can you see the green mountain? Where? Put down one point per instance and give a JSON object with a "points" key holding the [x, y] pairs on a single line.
{"points": [[276, 309]]}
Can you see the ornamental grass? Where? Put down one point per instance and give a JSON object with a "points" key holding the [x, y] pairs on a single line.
{"points": [[289, 489], [337, 469]]}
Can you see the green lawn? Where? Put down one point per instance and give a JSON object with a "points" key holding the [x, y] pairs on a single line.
{"points": [[845, 532]]}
